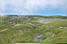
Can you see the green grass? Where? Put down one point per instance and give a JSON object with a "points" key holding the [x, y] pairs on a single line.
{"points": [[53, 32]]}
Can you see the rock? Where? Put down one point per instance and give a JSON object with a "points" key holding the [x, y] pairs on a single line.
{"points": [[39, 38], [61, 27], [17, 25]]}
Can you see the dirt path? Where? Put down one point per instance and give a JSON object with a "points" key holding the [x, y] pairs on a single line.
{"points": [[4, 30]]}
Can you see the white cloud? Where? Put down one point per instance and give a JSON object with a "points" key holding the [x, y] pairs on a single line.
{"points": [[36, 4], [2, 5], [65, 7], [27, 6]]}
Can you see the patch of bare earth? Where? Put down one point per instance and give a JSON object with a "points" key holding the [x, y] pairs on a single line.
{"points": [[4, 30]]}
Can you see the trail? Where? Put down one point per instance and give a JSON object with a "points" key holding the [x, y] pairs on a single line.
{"points": [[4, 30], [7, 28]]}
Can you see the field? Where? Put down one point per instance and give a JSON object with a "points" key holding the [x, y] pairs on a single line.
{"points": [[33, 29]]}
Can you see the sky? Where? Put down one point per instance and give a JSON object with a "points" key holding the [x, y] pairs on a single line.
{"points": [[34, 7]]}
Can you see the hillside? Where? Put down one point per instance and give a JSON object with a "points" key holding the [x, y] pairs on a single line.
{"points": [[33, 29]]}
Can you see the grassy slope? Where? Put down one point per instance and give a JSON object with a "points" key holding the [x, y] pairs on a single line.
{"points": [[60, 34], [30, 29]]}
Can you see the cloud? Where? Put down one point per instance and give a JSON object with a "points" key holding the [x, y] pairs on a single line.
{"points": [[2, 3], [35, 4], [30, 6], [2, 6], [65, 7]]}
